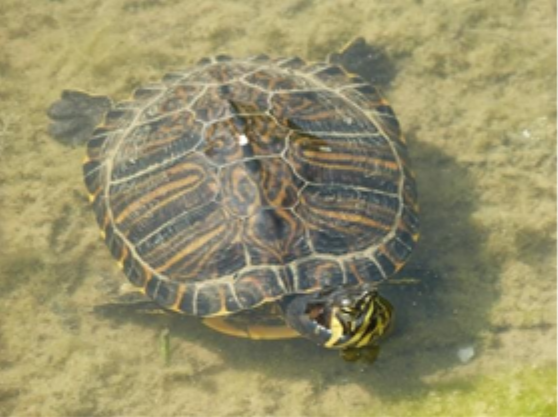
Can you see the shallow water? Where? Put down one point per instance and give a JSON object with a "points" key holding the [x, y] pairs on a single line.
{"points": [[473, 84]]}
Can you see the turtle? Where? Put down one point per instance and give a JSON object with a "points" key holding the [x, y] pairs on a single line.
{"points": [[271, 197]]}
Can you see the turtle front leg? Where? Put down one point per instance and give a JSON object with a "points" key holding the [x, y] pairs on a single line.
{"points": [[75, 115]]}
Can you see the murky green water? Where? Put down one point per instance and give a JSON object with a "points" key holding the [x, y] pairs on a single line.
{"points": [[473, 84]]}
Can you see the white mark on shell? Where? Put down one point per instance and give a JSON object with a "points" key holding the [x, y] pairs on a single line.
{"points": [[243, 139]]}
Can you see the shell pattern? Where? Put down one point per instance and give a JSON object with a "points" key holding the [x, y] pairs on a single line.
{"points": [[238, 182]]}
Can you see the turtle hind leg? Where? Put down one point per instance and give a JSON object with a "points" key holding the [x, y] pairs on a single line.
{"points": [[75, 115]]}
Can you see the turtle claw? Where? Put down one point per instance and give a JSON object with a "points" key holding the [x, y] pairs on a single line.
{"points": [[75, 115]]}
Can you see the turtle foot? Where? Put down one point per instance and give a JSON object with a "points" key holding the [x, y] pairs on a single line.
{"points": [[75, 115], [369, 61]]}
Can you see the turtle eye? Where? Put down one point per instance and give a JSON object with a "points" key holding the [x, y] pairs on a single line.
{"points": [[346, 302]]}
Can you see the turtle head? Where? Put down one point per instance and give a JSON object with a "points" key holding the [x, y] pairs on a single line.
{"points": [[340, 317]]}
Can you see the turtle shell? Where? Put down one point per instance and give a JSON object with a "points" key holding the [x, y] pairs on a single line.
{"points": [[239, 182]]}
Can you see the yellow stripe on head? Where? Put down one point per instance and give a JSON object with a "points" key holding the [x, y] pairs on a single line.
{"points": [[336, 329]]}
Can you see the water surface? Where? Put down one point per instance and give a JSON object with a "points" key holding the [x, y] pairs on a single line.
{"points": [[473, 84]]}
